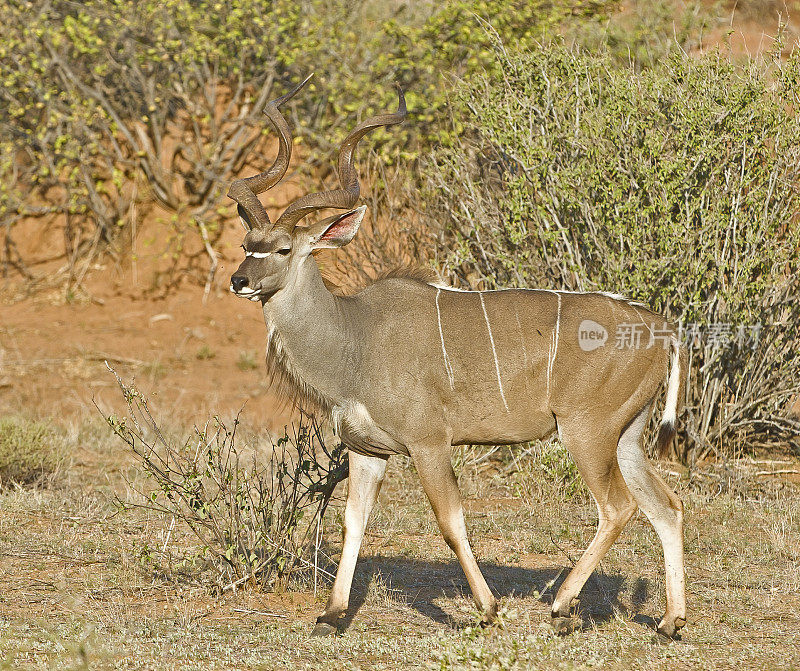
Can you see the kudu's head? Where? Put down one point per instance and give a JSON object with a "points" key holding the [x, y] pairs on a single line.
{"points": [[274, 252]]}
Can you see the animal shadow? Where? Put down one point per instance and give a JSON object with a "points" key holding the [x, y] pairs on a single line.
{"points": [[420, 583]]}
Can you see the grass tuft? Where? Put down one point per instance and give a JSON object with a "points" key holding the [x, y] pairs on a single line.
{"points": [[30, 452], [247, 361]]}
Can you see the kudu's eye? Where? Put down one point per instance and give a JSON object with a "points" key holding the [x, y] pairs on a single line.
{"points": [[283, 251]]}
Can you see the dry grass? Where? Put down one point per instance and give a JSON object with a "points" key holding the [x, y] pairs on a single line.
{"points": [[30, 452], [76, 592]]}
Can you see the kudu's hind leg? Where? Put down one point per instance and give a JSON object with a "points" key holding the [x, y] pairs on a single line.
{"points": [[597, 463], [439, 482], [363, 484], [665, 512]]}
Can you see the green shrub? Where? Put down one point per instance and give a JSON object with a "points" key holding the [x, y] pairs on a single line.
{"points": [[645, 33], [104, 105], [543, 471], [30, 452], [247, 518], [676, 186]]}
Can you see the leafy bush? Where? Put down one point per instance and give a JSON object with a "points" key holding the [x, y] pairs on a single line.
{"points": [[251, 522], [30, 452], [645, 33], [676, 186], [541, 471], [106, 105]]}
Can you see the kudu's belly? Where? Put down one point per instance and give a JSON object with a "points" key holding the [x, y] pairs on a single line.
{"points": [[492, 426]]}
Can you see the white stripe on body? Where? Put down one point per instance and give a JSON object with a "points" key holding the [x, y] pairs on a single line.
{"points": [[553, 351], [494, 352], [447, 365]]}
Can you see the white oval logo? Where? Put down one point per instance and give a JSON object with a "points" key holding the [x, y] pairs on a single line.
{"points": [[591, 335]]}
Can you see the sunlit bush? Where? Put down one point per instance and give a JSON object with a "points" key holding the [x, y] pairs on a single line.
{"points": [[106, 105], [676, 186], [248, 519]]}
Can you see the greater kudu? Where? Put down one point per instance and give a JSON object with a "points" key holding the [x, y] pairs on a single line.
{"points": [[410, 367]]}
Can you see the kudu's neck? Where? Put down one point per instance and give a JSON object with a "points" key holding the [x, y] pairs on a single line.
{"points": [[311, 346]]}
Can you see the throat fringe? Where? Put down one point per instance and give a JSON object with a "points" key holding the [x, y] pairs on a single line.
{"points": [[286, 381]]}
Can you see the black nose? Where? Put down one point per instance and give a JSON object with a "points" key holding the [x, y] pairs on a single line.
{"points": [[238, 282]]}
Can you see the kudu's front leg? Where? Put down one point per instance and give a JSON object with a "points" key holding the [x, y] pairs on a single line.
{"points": [[439, 482], [363, 484]]}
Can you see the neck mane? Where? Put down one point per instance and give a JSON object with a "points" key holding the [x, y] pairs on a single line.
{"points": [[304, 323], [286, 380]]}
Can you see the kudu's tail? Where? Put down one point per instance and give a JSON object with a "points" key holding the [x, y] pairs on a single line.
{"points": [[675, 384]]}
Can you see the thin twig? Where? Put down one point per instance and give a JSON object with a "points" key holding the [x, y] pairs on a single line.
{"points": [[266, 613], [211, 255], [316, 553], [169, 533], [245, 578]]}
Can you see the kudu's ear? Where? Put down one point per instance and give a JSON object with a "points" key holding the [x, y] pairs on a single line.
{"points": [[336, 231]]}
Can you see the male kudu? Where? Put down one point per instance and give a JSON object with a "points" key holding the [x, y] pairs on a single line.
{"points": [[409, 367]]}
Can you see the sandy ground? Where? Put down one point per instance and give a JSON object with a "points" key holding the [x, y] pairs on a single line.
{"points": [[192, 358]]}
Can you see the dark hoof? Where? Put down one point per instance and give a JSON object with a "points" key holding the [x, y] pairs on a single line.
{"points": [[489, 618], [323, 629], [563, 626], [670, 631], [662, 639]]}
